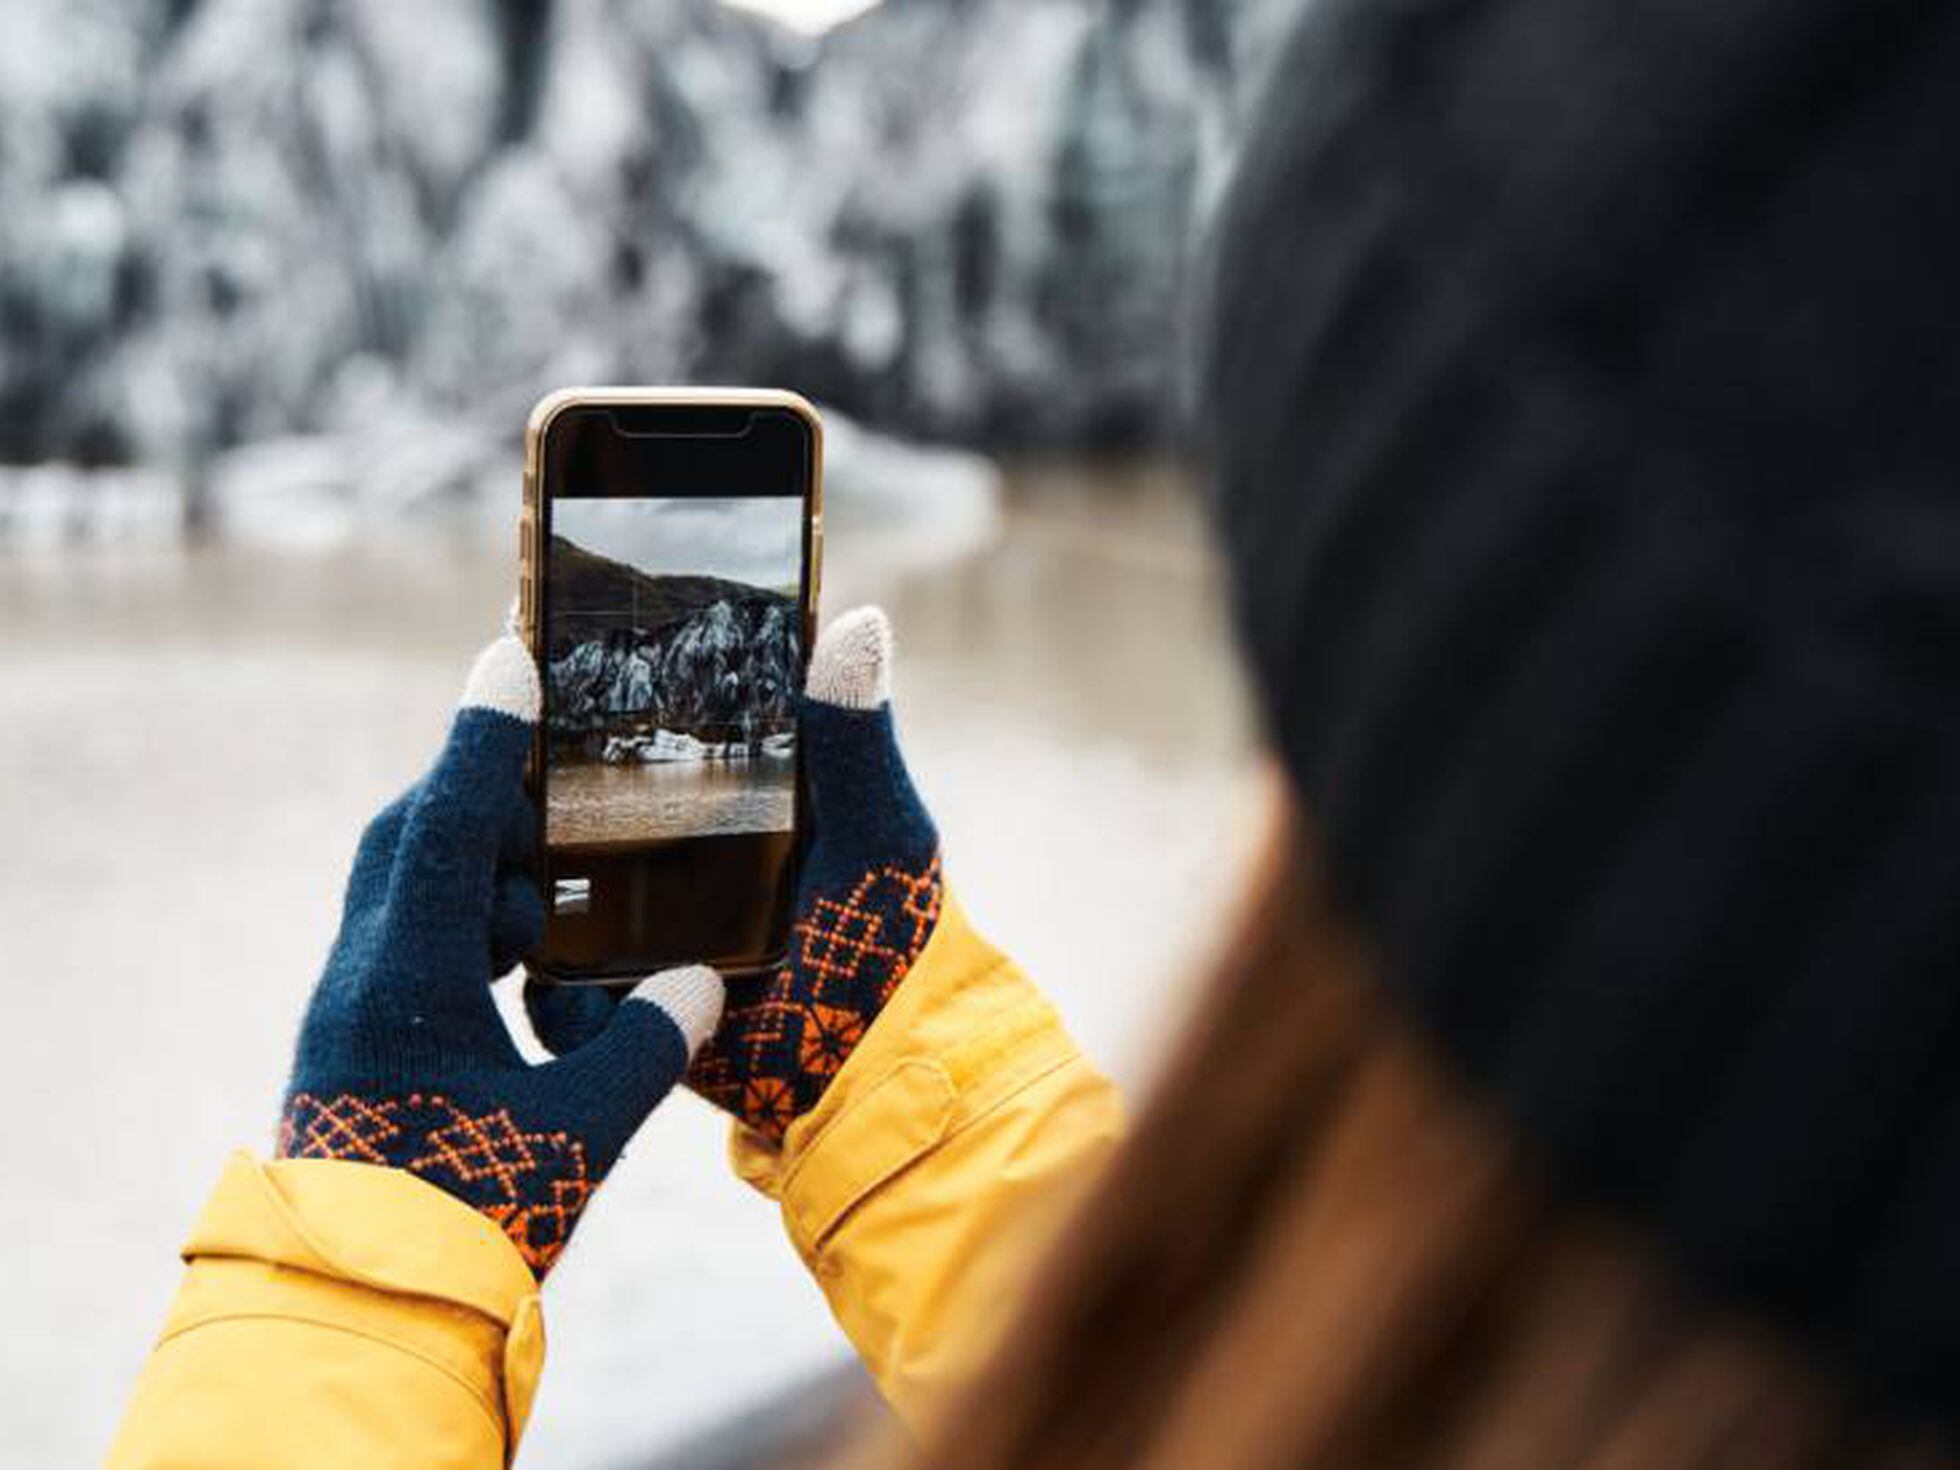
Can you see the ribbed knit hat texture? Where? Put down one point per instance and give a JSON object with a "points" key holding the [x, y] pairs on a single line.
{"points": [[1584, 392]]}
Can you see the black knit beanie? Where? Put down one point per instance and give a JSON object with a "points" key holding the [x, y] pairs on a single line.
{"points": [[1584, 404]]}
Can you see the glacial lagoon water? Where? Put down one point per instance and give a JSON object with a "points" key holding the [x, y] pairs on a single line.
{"points": [[592, 803]]}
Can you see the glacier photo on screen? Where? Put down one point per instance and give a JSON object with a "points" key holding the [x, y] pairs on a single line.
{"points": [[672, 649]]}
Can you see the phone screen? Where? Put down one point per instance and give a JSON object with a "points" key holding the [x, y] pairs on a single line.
{"points": [[673, 618]]}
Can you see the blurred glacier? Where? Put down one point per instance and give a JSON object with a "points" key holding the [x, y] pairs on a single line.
{"points": [[362, 236]]}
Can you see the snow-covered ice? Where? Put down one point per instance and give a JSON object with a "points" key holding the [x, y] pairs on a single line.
{"points": [[252, 219]]}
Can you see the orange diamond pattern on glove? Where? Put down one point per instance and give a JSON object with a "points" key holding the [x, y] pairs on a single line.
{"points": [[344, 1127], [784, 1036], [532, 1184]]}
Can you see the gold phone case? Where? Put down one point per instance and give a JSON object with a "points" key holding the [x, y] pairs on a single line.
{"points": [[530, 552]]}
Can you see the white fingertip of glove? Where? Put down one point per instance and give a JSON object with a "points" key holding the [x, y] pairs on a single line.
{"points": [[852, 665], [690, 996], [505, 679]]}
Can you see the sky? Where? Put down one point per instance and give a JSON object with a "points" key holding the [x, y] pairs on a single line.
{"points": [[806, 15], [754, 539]]}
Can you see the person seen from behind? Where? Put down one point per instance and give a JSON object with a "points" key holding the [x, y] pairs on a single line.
{"points": [[1576, 1084]]}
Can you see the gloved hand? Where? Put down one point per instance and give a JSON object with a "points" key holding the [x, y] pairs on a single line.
{"points": [[867, 902], [403, 1060]]}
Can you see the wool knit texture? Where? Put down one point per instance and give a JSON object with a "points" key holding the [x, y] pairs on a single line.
{"points": [[403, 1060], [1585, 402], [868, 898]]}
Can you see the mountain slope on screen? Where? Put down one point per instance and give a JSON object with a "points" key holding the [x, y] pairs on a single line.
{"points": [[600, 593], [631, 653]]}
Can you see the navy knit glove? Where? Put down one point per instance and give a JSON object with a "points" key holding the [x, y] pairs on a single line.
{"points": [[867, 903], [403, 1060]]}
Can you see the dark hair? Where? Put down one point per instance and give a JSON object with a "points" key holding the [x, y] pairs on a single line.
{"points": [[1584, 379]]}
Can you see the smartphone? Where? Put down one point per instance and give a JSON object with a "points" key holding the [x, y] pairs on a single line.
{"points": [[670, 554]]}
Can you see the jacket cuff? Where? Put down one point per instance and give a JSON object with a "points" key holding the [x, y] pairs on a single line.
{"points": [[392, 1233], [964, 1031]]}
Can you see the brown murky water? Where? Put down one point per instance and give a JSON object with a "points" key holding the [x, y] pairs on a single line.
{"points": [[595, 804], [191, 741]]}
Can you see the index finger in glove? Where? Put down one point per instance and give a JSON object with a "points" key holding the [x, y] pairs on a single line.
{"points": [[517, 920], [565, 1017], [447, 855], [375, 857]]}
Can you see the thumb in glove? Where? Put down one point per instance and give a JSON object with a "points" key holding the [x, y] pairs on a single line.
{"points": [[867, 901]]}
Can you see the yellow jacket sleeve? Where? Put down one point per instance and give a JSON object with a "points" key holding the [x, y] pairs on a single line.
{"points": [[921, 1184], [338, 1314]]}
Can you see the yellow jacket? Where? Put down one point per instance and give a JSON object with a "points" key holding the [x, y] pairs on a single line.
{"points": [[337, 1314]]}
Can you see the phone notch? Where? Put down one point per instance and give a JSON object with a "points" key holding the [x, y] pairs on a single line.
{"points": [[683, 421]]}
